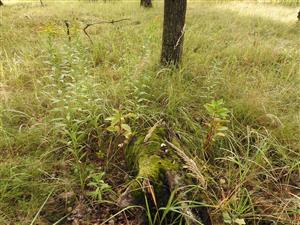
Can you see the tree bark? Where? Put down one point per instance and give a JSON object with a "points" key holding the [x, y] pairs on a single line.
{"points": [[146, 3], [173, 31]]}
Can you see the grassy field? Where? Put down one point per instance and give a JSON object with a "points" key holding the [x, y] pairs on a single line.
{"points": [[60, 164]]}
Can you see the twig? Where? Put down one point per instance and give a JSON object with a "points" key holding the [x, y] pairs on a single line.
{"points": [[100, 22], [67, 23], [179, 39]]}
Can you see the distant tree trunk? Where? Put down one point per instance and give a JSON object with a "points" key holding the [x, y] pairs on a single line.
{"points": [[146, 3], [173, 31], [1, 3]]}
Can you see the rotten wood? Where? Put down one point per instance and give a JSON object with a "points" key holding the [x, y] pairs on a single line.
{"points": [[158, 173]]}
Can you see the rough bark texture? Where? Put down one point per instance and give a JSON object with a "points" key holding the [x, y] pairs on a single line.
{"points": [[146, 3], [173, 31]]}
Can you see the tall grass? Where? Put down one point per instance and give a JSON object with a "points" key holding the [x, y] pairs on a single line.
{"points": [[284, 2], [56, 94]]}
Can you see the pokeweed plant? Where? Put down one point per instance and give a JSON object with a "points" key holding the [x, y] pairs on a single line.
{"points": [[118, 124], [216, 124], [121, 130]]}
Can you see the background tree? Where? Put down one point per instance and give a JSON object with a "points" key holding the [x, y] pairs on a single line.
{"points": [[173, 31], [146, 3], [1, 3]]}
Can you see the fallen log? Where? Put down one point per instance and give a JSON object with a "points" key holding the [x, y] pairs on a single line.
{"points": [[159, 176]]}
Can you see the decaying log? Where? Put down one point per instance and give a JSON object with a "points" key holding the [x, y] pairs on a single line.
{"points": [[158, 172]]}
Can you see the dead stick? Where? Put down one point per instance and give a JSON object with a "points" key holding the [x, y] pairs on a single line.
{"points": [[67, 23], [100, 22]]}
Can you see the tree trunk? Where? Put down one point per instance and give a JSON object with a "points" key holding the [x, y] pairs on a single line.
{"points": [[146, 3], [173, 31], [1, 3], [298, 16]]}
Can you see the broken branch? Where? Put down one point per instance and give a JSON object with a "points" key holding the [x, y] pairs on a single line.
{"points": [[67, 23], [100, 22]]}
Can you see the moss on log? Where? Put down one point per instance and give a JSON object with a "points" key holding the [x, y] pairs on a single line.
{"points": [[158, 172], [148, 161]]}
